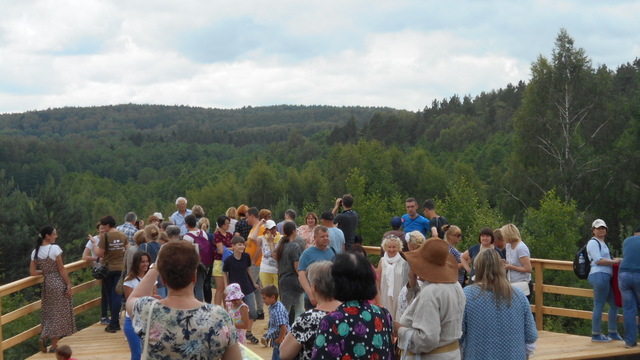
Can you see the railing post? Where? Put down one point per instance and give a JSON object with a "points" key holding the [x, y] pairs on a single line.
{"points": [[1, 335], [539, 282]]}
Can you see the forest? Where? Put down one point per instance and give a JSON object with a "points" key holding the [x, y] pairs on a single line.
{"points": [[549, 154]]}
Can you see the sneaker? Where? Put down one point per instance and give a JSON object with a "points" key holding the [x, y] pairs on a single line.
{"points": [[627, 346], [615, 336], [111, 329], [105, 321], [260, 316], [252, 338], [600, 338], [263, 341]]}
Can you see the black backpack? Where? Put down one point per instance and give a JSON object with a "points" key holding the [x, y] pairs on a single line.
{"points": [[581, 261]]}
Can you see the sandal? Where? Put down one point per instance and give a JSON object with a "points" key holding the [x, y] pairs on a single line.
{"points": [[43, 347], [53, 349], [252, 338]]}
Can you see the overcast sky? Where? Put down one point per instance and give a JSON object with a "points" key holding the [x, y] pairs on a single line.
{"points": [[229, 54]]}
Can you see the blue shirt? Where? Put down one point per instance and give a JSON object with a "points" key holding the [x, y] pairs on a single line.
{"points": [[313, 254], [278, 316], [596, 253], [420, 223], [128, 230], [178, 219], [631, 252], [336, 239]]}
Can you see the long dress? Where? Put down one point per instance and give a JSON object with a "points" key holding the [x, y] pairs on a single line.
{"points": [[57, 309]]}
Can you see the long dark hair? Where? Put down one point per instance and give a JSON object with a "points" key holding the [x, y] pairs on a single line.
{"points": [[135, 264], [288, 228], [44, 231]]}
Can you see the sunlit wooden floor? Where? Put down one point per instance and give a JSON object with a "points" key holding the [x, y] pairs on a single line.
{"points": [[94, 343]]}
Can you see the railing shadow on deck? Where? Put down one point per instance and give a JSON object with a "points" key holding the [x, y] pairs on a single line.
{"points": [[539, 309], [24, 283]]}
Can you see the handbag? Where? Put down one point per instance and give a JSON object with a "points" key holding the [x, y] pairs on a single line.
{"points": [[100, 272], [120, 284], [522, 285]]}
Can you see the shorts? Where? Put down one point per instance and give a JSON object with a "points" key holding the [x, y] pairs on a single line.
{"points": [[217, 268]]}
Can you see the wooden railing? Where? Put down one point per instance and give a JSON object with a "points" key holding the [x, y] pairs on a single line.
{"points": [[11, 288], [540, 288]]}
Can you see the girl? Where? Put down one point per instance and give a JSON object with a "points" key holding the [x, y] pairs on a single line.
{"points": [[139, 267], [238, 311]]}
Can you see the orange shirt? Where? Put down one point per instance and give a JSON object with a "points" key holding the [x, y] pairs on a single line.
{"points": [[252, 248]]}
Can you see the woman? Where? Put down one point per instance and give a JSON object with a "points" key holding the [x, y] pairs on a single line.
{"points": [[600, 278], [139, 267], [306, 231], [485, 240], [57, 307], [242, 226], [180, 326], [89, 254], [493, 304], [221, 239], [431, 325], [154, 220], [205, 225], [152, 246], [518, 262], [392, 274], [138, 239], [298, 343], [453, 235], [231, 214], [287, 255], [356, 329]]}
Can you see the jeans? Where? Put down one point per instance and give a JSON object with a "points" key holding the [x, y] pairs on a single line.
{"points": [[116, 299], [251, 303], [276, 351], [602, 292], [105, 300], [135, 344], [630, 289], [206, 286], [198, 291]]}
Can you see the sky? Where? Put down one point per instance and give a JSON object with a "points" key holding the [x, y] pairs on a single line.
{"points": [[229, 54]]}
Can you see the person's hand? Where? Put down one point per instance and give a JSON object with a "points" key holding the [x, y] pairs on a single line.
{"points": [[67, 292], [617, 260], [339, 202], [262, 221], [279, 340], [256, 285], [396, 327]]}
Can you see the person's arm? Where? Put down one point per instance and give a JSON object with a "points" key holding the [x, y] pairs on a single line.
{"points": [[337, 207], [302, 277], [232, 353], [33, 269], [465, 260], [525, 268], [219, 245], [290, 347], [144, 288], [102, 244], [127, 292], [251, 277], [434, 231], [63, 272], [86, 255], [283, 332], [226, 279]]}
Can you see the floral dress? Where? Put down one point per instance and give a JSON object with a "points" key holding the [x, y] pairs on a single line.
{"points": [[304, 330], [356, 329], [236, 316], [204, 332]]}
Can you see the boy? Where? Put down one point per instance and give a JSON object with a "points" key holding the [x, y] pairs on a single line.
{"points": [[278, 320], [237, 269], [63, 352]]}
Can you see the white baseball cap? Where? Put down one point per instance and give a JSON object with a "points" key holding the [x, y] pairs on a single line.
{"points": [[599, 223], [269, 224]]}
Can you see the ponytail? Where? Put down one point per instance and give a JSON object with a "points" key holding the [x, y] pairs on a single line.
{"points": [[44, 231]]}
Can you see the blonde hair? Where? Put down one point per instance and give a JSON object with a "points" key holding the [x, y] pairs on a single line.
{"points": [[491, 276], [139, 238], [416, 239], [204, 224], [451, 230], [390, 239], [231, 212], [510, 233], [151, 232], [197, 211]]}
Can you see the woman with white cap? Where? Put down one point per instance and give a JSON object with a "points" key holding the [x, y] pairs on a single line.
{"points": [[432, 325], [600, 278]]}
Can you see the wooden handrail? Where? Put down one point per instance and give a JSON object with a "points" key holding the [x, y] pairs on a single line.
{"points": [[21, 284]]}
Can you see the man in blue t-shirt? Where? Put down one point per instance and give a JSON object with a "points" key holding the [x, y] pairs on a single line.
{"points": [[320, 251], [413, 221]]}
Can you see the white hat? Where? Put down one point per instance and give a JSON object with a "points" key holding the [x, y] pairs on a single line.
{"points": [[598, 223], [270, 224], [158, 215]]}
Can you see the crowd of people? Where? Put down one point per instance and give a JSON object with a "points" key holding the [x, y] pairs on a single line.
{"points": [[325, 299]]}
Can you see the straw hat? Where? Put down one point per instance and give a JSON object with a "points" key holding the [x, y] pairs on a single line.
{"points": [[433, 262], [233, 292]]}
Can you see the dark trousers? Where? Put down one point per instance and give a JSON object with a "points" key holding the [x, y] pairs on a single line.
{"points": [[105, 300], [116, 299], [206, 286]]}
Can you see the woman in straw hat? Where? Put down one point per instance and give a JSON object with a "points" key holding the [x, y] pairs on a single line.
{"points": [[432, 324], [493, 304]]}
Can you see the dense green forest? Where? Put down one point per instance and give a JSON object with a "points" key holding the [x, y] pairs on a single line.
{"points": [[549, 155]]}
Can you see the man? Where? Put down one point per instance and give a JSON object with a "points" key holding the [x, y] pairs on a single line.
{"points": [[318, 252], [178, 216], [436, 220], [347, 220], [289, 215], [129, 226], [254, 249], [173, 232], [336, 236], [413, 221], [200, 240], [629, 279], [111, 247]]}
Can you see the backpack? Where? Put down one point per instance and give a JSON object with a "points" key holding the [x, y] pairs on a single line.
{"points": [[581, 261], [438, 223], [205, 246]]}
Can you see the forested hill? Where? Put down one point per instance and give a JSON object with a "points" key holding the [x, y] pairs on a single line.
{"points": [[159, 121]]}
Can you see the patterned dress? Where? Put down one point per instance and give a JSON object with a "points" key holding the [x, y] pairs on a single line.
{"points": [[57, 309], [236, 316], [356, 329], [201, 333], [304, 330]]}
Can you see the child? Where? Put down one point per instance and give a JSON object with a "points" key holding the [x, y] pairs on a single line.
{"points": [[238, 311], [237, 269], [63, 352], [278, 320]]}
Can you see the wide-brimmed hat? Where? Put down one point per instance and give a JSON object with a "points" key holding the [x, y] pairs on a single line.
{"points": [[233, 292], [433, 262]]}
